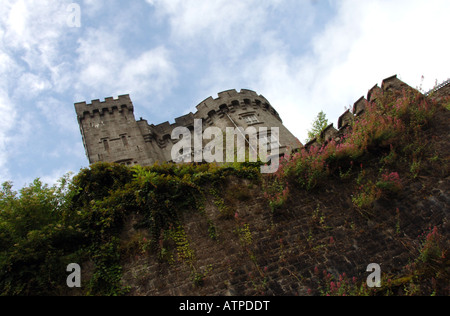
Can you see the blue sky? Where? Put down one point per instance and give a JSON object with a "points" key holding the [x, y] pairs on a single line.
{"points": [[304, 56]]}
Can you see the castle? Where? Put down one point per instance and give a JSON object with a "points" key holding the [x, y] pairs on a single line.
{"points": [[111, 133]]}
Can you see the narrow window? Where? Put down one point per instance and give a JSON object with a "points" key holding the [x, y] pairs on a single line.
{"points": [[124, 140], [106, 144]]}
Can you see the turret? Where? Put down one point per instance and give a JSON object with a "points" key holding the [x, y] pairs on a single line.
{"points": [[110, 132]]}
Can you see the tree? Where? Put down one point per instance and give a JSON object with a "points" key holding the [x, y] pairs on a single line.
{"points": [[318, 126]]}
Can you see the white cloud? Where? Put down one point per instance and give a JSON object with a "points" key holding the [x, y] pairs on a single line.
{"points": [[364, 43], [30, 33], [108, 67], [226, 27], [6, 123], [58, 115]]}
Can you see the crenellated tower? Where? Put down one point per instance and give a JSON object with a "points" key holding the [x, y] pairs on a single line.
{"points": [[111, 133]]}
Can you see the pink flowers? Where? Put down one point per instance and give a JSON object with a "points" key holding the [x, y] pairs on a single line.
{"points": [[431, 247], [390, 182], [391, 177]]}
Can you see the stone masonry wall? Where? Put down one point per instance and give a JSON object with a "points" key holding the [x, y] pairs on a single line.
{"points": [[258, 252]]}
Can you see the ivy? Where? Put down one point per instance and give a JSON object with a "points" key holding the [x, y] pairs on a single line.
{"points": [[43, 229]]}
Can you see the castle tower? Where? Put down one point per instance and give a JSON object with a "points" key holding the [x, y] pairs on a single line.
{"points": [[246, 109], [110, 132]]}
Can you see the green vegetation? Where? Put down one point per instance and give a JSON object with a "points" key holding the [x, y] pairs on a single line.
{"points": [[391, 127], [319, 124], [43, 229]]}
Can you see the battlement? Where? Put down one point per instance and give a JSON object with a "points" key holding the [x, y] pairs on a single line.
{"points": [[388, 85], [109, 105], [231, 100]]}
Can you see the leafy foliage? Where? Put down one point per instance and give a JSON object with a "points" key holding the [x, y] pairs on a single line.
{"points": [[43, 229], [320, 123]]}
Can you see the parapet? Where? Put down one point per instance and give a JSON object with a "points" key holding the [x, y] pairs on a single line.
{"points": [[359, 106], [393, 83], [226, 101], [109, 105], [230, 100], [374, 93], [228, 96], [389, 85]]}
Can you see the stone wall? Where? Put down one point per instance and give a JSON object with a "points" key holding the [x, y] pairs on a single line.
{"points": [[257, 253], [316, 235]]}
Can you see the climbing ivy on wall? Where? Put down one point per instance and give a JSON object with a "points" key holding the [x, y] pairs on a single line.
{"points": [[43, 229]]}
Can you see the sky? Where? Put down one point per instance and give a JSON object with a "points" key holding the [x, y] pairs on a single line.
{"points": [[304, 56]]}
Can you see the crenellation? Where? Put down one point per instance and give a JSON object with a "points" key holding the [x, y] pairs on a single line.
{"points": [[359, 106], [329, 133], [185, 119], [227, 94], [373, 93], [118, 137], [389, 85], [101, 107], [249, 92], [345, 119]]}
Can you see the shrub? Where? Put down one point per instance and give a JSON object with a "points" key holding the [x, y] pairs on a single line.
{"points": [[390, 182], [34, 241], [366, 196], [431, 248]]}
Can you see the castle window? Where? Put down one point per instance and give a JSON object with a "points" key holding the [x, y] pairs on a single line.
{"points": [[124, 139], [106, 144], [126, 162], [251, 119], [167, 139]]}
